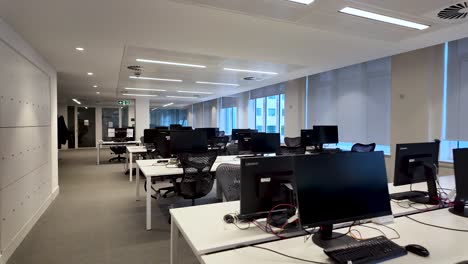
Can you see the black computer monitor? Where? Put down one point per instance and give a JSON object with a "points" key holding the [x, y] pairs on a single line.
{"points": [[236, 131], [186, 128], [149, 135], [265, 183], [122, 135], [460, 163], [307, 138], [210, 132], [162, 127], [325, 135], [188, 141], [417, 162], [162, 143], [244, 141], [262, 143], [175, 126], [338, 188]]}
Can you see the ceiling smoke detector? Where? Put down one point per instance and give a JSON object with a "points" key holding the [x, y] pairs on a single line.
{"points": [[136, 69], [457, 11], [252, 78]]}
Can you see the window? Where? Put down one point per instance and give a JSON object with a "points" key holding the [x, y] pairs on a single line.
{"points": [[163, 117], [271, 112], [267, 118], [229, 119], [454, 135]]}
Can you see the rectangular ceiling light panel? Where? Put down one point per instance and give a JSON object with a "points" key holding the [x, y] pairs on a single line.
{"points": [[382, 18]]}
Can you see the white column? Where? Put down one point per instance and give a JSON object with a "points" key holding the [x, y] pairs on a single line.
{"points": [[142, 116]]}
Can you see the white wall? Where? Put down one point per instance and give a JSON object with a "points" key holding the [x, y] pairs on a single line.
{"points": [[28, 139], [142, 116]]}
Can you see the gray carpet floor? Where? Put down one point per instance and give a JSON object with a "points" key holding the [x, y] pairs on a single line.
{"points": [[96, 220]]}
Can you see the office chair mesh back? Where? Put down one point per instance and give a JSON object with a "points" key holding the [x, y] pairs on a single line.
{"points": [[219, 144], [293, 150], [358, 147], [292, 142], [228, 176], [232, 149], [197, 180]]}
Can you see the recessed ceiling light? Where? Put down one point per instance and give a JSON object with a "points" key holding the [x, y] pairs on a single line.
{"points": [[145, 89], [150, 95], [222, 84], [86, 107], [76, 101], [253, 71], [95, 86], [382, 18], [98, 92], [171, 63], [79, 49], [194, 92], [181, 97], [90, 73], [154, 79], [169, 104], [305, 2]]}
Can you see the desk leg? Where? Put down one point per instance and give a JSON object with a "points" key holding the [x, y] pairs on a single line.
{"points": [[130, 173], [148, 203], [98, 153], [175, 234], [137, 180], [126, 160]]}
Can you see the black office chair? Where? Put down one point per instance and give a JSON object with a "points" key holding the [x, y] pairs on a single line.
{"points": [[232, 149], [228, 176], [219, 144], [197, 180], [118, 150], [292, 142], [358, 147], [292, 150], [220, 133]]}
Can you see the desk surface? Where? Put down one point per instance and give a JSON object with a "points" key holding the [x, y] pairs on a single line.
{"points": [[222, 236], [100, 142], [136, 149], [151, 168], [444, 246]]}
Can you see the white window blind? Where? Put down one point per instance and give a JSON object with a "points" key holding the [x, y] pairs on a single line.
{"points": [[198, 115], [228, 102], [271, 90], [457, 91], [356, 98]]}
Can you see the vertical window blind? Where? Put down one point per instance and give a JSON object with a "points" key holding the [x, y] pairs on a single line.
{"points": [[456, 128], [356, 98]]}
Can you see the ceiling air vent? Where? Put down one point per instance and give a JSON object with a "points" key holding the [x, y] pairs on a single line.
{"points": [[456, 11]]}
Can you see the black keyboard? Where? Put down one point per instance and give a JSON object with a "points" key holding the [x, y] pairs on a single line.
{"points": [[372, 250]]}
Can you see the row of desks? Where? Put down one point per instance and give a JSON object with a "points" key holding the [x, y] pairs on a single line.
{"points": [[206, 233]]}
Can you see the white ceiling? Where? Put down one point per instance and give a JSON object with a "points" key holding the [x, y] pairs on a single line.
{"points": [[276, 35]]}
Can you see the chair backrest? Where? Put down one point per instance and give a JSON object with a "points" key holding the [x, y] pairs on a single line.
{"points": [[292, 141], [293, 150], [118, 150], [228, 176], [232, 149], [220, 133], [197, 180], [358, 147]]}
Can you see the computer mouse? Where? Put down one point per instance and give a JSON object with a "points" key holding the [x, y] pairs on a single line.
{"points": [[418, 250]]}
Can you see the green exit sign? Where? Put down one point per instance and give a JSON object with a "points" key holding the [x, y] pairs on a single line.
{"points": [[124, 102]]}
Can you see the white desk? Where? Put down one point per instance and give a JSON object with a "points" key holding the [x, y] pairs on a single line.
{"points": [[444, 246], [223, 237], [151, 168], [101, 143], [131, 150]]}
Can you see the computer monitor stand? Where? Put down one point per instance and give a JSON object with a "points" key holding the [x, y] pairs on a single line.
{"points": [[460, 208], [326, 238], [431, 197]]}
